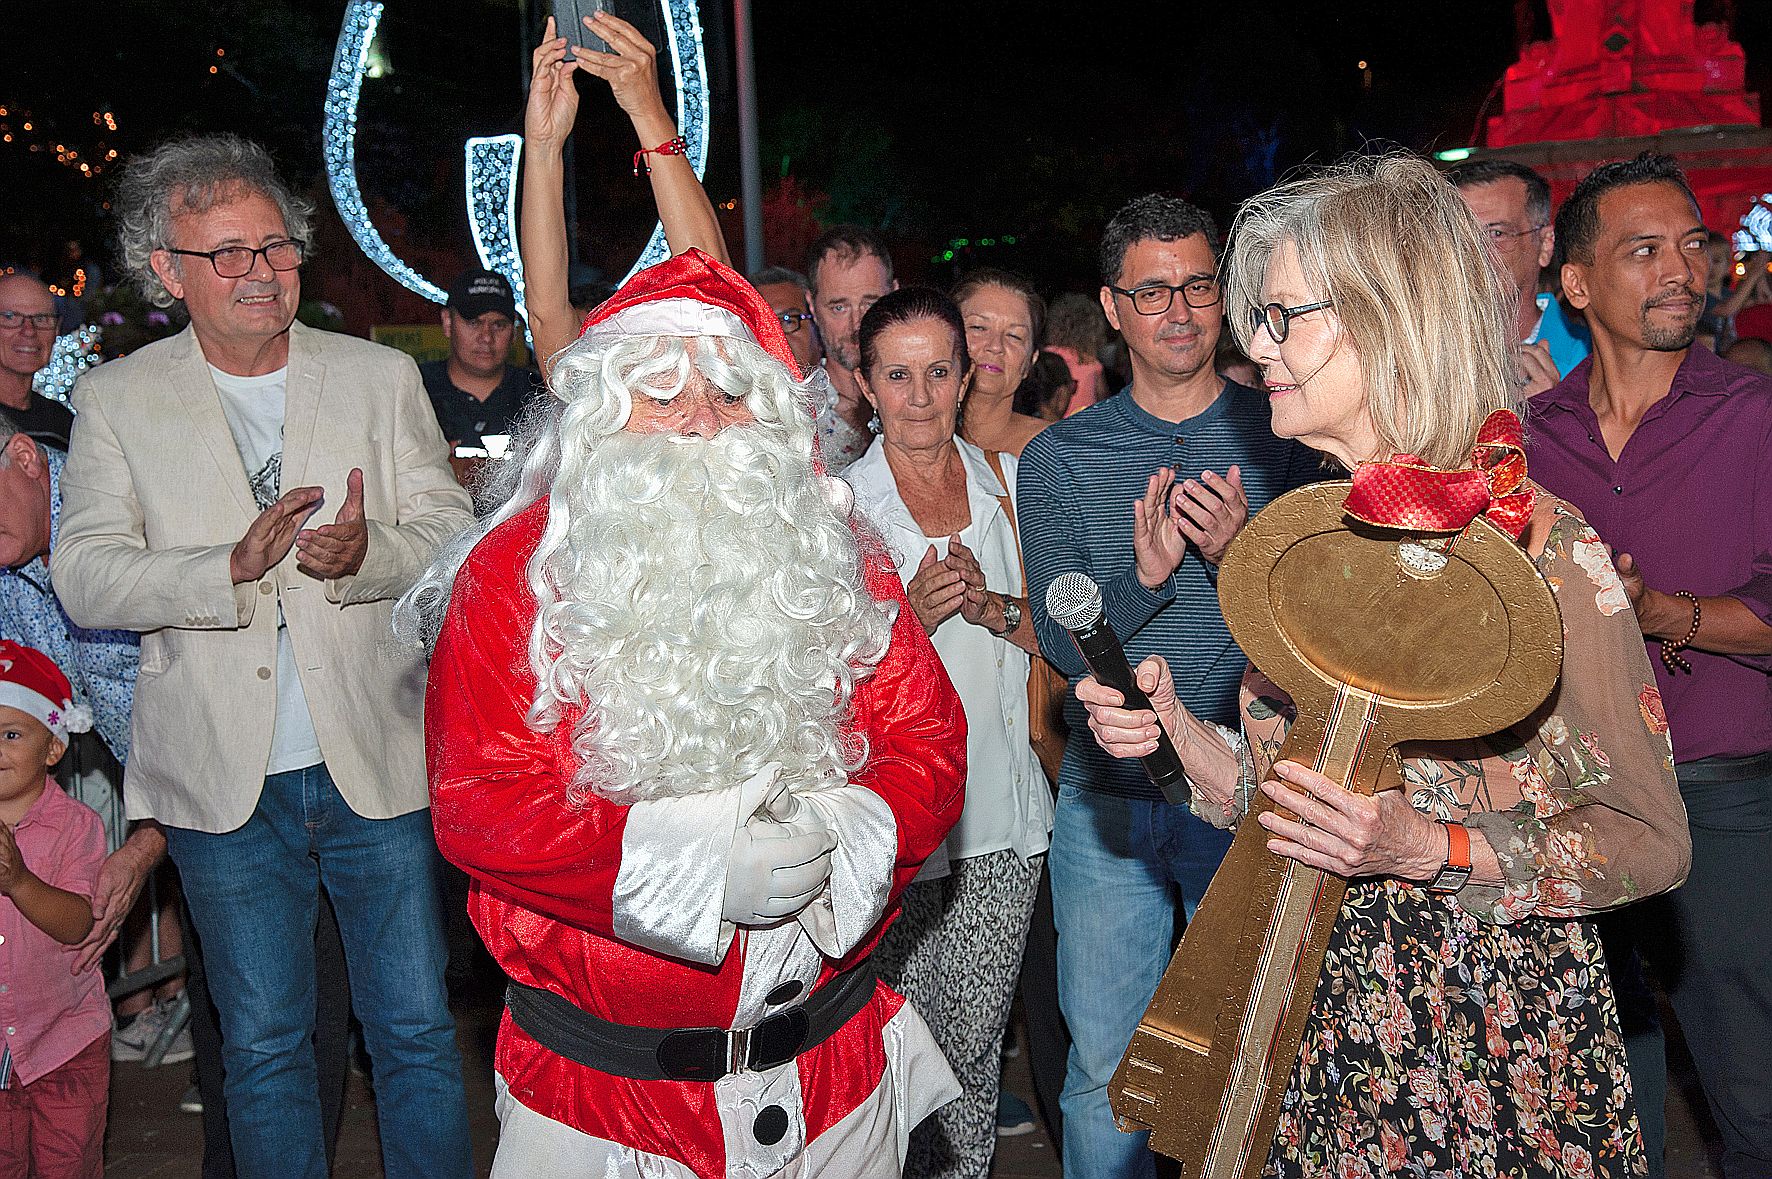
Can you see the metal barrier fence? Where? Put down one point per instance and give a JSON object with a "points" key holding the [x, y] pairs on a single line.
{"points": [[92, 775]]}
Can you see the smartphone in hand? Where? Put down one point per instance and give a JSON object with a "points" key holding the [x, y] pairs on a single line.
{"points": [[569, 22]]}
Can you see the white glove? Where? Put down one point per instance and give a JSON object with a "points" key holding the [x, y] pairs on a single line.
{"points": [[776, 869]]}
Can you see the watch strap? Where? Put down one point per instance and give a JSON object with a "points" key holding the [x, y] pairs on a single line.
{"points": [[1456, 871]]}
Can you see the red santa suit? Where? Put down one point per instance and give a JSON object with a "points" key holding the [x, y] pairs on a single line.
{"points": [[617, 908]]}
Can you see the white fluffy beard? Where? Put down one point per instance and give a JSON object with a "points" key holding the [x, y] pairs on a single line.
{"points": [[702, 601]]}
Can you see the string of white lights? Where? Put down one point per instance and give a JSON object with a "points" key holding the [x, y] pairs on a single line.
{"points": [[72, 355], [1756, 228], [492, 205]]}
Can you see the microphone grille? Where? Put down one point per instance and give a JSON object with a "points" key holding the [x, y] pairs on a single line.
{"points": [[1073, 600]]}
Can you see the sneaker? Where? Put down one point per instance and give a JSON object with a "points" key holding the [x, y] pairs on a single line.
{"points": [[192, 1101], [1014, 1118], [132, 1041]]}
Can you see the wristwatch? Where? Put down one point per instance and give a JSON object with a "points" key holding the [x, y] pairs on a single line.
{"points": [[1011, 615], [1457, 870]]}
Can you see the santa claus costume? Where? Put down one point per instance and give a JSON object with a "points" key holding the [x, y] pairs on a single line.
{"points": [[661, 642]]}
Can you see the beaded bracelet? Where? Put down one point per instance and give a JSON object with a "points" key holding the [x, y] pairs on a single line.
{"points": [[670, 147], [1670, 652]]}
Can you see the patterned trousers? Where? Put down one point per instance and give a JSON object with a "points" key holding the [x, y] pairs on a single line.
{"points": [[955, 953]]}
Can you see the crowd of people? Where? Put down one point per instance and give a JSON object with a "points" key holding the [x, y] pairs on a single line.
{"points": [[726, 706]]}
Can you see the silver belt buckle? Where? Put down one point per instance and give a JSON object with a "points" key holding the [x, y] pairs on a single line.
{"points": [[738, 1051]]}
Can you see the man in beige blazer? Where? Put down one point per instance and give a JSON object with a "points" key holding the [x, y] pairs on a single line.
{"points": [[252, 495]]}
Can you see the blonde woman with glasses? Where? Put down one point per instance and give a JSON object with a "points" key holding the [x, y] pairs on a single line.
{"points": [[1458, 1026]]}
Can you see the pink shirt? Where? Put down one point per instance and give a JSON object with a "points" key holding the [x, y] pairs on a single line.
{"points": [[48, 1013]]}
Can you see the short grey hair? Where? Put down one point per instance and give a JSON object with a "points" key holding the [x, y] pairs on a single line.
{"points": [[191, 176], [773, 275]]}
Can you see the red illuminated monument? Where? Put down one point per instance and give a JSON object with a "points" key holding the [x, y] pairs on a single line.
{"points": [[1622, 76], [1617, 69]]}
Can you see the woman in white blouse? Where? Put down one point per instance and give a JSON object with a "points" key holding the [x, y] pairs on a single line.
{"points": [[941, 506]]}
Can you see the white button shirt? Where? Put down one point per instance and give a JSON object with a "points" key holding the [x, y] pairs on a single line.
{"points": [[1008, 804]]}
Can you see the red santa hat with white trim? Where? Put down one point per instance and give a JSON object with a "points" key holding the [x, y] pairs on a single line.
{"points": [[32, 683], [692, 294]]}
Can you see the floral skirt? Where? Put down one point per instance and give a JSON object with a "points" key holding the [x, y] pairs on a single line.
{"points": [[1439, 1046]]}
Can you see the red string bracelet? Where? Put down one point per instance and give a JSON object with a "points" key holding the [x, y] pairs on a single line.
{"points": [[670, 147]]}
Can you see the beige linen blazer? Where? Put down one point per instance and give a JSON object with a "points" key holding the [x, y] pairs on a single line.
{"points": [[154, 498]]}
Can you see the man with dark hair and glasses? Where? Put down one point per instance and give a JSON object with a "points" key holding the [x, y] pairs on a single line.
{"points": [[27, 340], [790, 295], [1512, 204], [1143, 492], [251, 495]]}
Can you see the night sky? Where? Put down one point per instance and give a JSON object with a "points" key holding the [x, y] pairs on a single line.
{"points": [[935, 121]]}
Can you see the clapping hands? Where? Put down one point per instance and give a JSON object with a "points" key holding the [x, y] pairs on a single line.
{"points": [[1209, 512], [943, 587]]}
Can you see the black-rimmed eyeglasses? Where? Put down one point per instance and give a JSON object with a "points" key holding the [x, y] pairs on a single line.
{"points": [[791, 320], [43, 321], [238, 261], [1154, 298], [1277, 317]]}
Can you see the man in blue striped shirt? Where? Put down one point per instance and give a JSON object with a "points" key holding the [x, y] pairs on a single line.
{"points": [[1143, 492]]}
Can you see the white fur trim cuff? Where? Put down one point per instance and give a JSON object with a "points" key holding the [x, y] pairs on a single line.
{"points": [[668, 317]]}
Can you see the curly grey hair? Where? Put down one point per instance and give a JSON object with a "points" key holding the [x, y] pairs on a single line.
{"points": [[191, 176]]}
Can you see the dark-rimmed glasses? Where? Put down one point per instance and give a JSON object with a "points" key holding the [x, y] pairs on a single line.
{"points": [[238, 261], [1154, 298], [791, 320], [1277, 318], [43, 321]]}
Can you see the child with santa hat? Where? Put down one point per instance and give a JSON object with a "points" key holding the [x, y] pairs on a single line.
{"points": [[55, 1064]]}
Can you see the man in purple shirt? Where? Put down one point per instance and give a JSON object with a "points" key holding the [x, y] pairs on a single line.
{"points": [[1668, 452]]}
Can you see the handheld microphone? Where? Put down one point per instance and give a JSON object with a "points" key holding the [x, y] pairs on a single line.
{"points": [[1074, 602]]}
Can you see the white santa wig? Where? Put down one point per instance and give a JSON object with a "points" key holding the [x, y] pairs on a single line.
{"points": [[701, 610]]}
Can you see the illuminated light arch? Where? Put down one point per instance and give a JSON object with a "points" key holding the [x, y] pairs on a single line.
{"points": [[338, 144], [491, 162], [491, 170]]}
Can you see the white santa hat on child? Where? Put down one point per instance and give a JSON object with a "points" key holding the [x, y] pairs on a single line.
{"points": [[32, 683]]}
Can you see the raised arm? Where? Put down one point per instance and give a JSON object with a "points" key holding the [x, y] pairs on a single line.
{"points": [[632, 74], [683, 205], [541, 233]]}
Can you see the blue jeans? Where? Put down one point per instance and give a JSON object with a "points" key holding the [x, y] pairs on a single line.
{"points": [[1123, 870], [254, 894]]}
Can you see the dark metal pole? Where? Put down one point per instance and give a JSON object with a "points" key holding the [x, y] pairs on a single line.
{"points": [[750, 187]]}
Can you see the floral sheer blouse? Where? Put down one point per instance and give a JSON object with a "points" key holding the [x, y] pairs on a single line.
{"points": [[1579, 801]]}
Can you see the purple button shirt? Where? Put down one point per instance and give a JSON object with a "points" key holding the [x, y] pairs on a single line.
{"points": [[1690, 498]]}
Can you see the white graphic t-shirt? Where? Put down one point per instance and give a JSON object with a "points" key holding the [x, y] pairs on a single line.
{"points": [[254, 409]]}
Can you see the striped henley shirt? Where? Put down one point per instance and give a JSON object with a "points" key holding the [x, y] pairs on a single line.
{"points": [[1074, 494]]}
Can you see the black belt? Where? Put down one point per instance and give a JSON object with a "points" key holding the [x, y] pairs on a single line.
{"points": [[1707, 770], [688, 1054]]}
